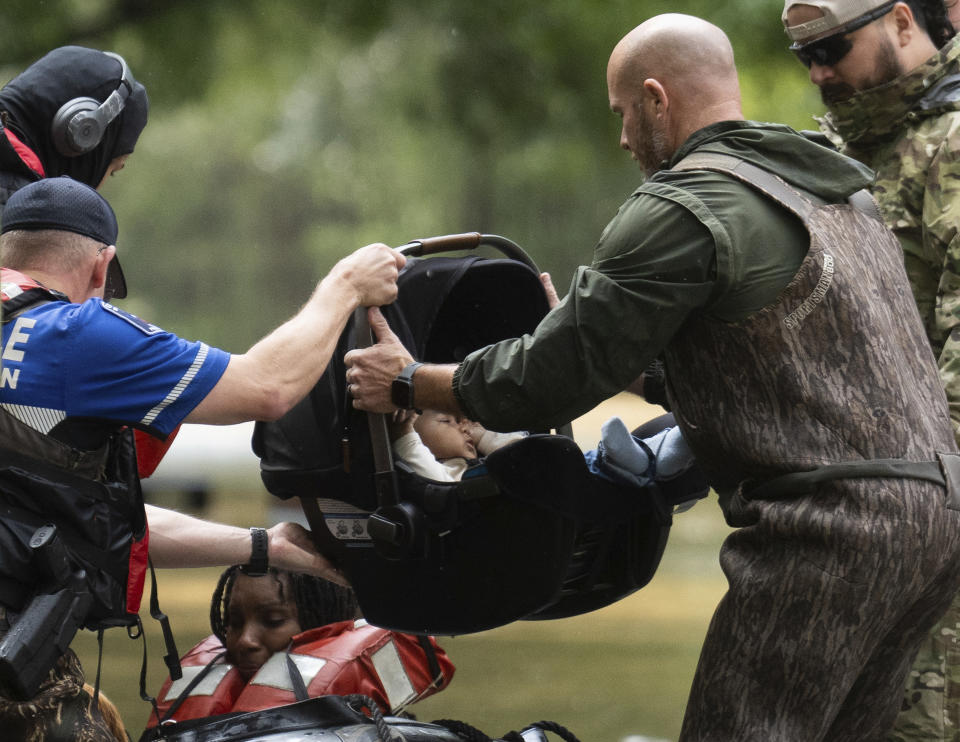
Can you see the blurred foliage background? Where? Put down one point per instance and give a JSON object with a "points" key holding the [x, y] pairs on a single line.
{"points": [[284, 134]]}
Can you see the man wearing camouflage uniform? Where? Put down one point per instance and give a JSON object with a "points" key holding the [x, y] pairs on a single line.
{"points": [[889, 74]]}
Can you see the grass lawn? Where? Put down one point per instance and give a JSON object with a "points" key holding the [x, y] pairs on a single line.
{"points": [[622, 670]]}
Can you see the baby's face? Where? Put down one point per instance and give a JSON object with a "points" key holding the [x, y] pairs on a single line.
{"points": [[446, 436], [260, 621]]}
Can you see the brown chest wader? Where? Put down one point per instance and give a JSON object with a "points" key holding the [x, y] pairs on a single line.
{"points": [[945, 470], [837, 569]]}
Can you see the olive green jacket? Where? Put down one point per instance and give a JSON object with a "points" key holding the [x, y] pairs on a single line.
{"points": [[908, 131], [656, 264]]}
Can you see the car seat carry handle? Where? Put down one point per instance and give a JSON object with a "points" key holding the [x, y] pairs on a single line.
{"points": [[466, 241], [395, 527], [388, 492]]}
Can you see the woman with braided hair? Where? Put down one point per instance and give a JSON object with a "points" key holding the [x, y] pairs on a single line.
{"points": [[254, 617], [282, 637]]}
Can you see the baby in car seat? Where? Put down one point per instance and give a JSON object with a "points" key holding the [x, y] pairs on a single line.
{"points": [[441, 446]]}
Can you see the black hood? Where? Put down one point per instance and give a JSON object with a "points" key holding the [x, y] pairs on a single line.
{"points": [[32, 99]]}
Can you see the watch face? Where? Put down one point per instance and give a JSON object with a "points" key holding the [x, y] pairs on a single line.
{"points": [[401, 393]]}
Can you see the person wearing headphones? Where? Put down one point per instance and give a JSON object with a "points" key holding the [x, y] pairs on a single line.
{"points": [[75, 111]]}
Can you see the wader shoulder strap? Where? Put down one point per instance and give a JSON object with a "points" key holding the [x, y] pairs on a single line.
{"points": [[865, 203], [801, 204], [798, 200]]}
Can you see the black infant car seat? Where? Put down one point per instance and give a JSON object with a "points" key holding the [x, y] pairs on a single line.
{"points": [[529, 533]]}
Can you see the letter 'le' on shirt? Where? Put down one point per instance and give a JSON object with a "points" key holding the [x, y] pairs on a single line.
{"points": [[95, 361]]}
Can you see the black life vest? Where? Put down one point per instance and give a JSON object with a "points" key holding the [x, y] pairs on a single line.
{"points": [[93, 497]]}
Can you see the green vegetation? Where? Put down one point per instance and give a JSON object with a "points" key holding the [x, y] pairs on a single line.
{"points": [[284, 134]]}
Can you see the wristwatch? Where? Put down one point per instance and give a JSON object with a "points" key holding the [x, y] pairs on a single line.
{"points": [[401, 390], [258, 564]]}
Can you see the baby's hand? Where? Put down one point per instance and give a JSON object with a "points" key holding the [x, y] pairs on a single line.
{"points": [[474, 429], [400, 423]]}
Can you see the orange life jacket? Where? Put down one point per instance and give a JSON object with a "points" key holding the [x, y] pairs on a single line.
{"points": [[209, 685], [348, 657], [344, 658]]}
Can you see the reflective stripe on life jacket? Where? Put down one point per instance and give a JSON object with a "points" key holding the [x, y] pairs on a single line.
{"points": [[352, 657], [14, 282]]}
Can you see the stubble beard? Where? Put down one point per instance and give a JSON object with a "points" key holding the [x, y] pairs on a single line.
{"points": [[655, 150], [886, 68]]}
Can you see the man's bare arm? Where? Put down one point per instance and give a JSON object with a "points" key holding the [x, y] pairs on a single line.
{"points": [[278, 371], [179, 540]]}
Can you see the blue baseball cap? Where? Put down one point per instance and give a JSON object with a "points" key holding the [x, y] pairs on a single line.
{"points": [[70, 206]]}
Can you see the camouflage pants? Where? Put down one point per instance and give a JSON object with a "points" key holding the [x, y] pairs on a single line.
{"points": [[830, 595], [931, 703], [60, 712]]}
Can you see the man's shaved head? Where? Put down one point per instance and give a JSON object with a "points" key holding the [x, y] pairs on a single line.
{"points": [[683, 67], [681, 51]]}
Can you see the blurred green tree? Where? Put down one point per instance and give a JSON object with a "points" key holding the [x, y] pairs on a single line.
{"points": [[284, 134]]}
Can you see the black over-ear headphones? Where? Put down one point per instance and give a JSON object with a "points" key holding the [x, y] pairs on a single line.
{"points": [[80, 123]]}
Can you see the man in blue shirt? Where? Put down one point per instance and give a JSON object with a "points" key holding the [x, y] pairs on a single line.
{"points": [[78, 372], [72, 363]]}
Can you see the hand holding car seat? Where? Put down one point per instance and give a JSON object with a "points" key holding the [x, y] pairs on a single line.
{"points": [[371, 371], [581, 540]]}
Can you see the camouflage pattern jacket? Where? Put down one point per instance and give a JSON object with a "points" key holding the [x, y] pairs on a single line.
{"points": [[908, 131]]}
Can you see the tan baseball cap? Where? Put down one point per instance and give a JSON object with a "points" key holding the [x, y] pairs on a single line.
{"points": [[836, 13]]}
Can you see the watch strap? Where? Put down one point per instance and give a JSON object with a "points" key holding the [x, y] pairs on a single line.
{"points": [[259, 563], [405, 378], [409, 370]]}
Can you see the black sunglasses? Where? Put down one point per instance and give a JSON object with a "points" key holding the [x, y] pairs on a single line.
{"points": [[829, 50]]}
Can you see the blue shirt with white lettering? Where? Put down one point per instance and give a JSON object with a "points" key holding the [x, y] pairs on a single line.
{"points": [[95, 361]]}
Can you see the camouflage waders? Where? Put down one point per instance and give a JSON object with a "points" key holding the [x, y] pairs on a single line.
{"points": [[831, 590]]}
